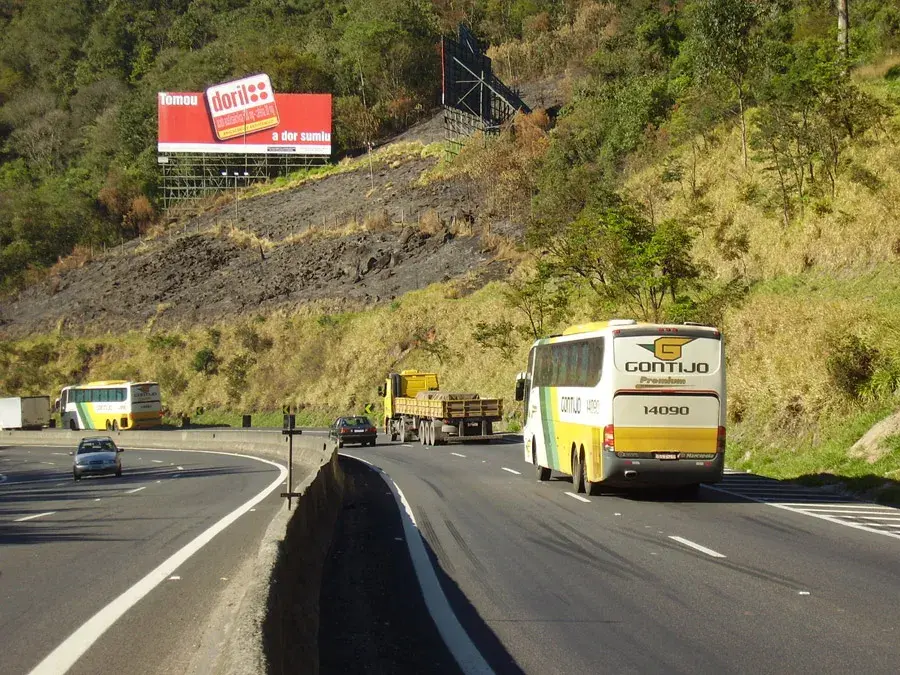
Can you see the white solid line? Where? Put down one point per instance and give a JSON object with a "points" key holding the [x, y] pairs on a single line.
{"points": [[845, 505], [33, 516], [788, 507], [455, 637], [698, 547], [66, 654], [847, 512], [131, 492], [518, 473], [458, 455], [578, 497], [891, 518]]}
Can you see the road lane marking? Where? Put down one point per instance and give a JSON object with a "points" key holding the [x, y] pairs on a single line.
{"points": [[131, 492], [33, 516], [518, 473], [157, 461], [50, 463], [698, 547], [73, 647], [464, 651], [57, 453], [578, 497], [807, 509], [458, 455], [891, 518], [180, 468], [174, 578]]}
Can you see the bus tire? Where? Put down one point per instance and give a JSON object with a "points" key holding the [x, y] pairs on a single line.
{"points": [[108, 425], [115, 425], [577, 473], [543, 473]]}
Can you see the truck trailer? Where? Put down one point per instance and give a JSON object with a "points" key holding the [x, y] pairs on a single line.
{"points": [[24, 412], [414, 407]]}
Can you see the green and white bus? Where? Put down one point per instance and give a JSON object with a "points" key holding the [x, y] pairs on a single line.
{"points": [[619, 403], [111, 405]]}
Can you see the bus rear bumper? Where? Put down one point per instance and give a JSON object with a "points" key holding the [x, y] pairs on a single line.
{"points": [[649, 471]]}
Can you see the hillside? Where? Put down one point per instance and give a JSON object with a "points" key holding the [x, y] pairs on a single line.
{"points": [[747, 180]]}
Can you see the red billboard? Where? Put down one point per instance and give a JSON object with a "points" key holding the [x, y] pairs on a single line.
{"points": [[244, 116]]}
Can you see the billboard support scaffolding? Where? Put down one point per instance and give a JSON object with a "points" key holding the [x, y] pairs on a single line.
{"points": [[474, 98], [190, 177]]}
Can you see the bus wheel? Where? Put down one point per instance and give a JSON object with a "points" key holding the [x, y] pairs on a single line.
{"points": [[543, 473], [115, 425], [108, 425], [577, 473]]}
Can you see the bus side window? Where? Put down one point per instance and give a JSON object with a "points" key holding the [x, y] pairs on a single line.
{"points": [[121, 394]]}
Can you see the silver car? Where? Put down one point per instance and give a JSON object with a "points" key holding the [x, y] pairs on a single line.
{"points": [[96, 456]]}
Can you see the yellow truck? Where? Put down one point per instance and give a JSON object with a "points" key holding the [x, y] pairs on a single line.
{"points": [[414, 407]]}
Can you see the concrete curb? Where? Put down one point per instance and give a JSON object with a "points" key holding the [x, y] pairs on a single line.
{"points": [[268, 620]]}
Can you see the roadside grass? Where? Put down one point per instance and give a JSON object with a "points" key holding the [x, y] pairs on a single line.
{"points": [[827, 462]]}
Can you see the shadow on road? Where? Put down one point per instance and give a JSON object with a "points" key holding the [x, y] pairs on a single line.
{"points": [[373, 617]]}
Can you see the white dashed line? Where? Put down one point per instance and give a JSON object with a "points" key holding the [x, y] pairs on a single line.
{"points": [[180, 468], [33, 516], [698, 547], [578, 497], [49, 463], [57, 453], [518, 473], [406, 445], [458, 455], [157, 461], [174, 578], [97, 500], [131, 492]]}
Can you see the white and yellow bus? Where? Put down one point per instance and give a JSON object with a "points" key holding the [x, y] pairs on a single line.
{"points": [[620, 403], [111, 405]]}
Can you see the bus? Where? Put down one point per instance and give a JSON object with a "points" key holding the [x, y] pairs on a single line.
{"points": [[621, 403], [110, 405]]}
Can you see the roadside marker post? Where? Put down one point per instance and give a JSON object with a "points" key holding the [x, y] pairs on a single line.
{"points": [[289, 430]]}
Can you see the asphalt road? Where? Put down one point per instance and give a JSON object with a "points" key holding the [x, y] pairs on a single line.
{"points": [[68, 549], [544, 582]]}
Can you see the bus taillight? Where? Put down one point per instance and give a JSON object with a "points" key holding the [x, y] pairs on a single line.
{"points": [[720, 440], [609, 438]]}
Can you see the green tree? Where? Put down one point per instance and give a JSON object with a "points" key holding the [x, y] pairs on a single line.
{"points": [[724, 43]]}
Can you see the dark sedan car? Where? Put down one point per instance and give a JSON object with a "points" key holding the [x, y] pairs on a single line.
{"points": [[353, 430]]}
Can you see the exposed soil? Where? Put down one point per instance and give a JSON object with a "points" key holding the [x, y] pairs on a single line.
{"points": [[199, 272]]}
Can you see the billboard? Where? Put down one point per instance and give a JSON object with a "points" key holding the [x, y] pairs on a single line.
{"points": [[244, 116]]}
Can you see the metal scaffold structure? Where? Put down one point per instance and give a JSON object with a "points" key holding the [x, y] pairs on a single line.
{"points": [[474, 98], [190, 177]]}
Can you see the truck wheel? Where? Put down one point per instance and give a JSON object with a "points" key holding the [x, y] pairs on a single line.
{"points": [[437, 436], [423, 439]]}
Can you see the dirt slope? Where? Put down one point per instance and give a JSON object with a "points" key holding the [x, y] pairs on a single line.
{"points": [[336, 238]]}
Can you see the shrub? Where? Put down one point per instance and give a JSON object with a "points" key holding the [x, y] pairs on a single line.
{"points": [[850, 364], [159, 342], [205, 361]]}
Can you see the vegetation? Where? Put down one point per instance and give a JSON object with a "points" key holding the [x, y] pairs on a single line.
{"points": [[722, 161]]}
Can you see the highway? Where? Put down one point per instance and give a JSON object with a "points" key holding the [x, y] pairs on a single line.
{"points": [[68, 549], [764, 578]]}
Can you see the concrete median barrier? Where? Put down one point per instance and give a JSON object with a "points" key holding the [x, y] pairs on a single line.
{"points": [[267, 619]]}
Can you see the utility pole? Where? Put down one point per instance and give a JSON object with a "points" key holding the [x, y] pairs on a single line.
{"points": [[843, 27]]}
